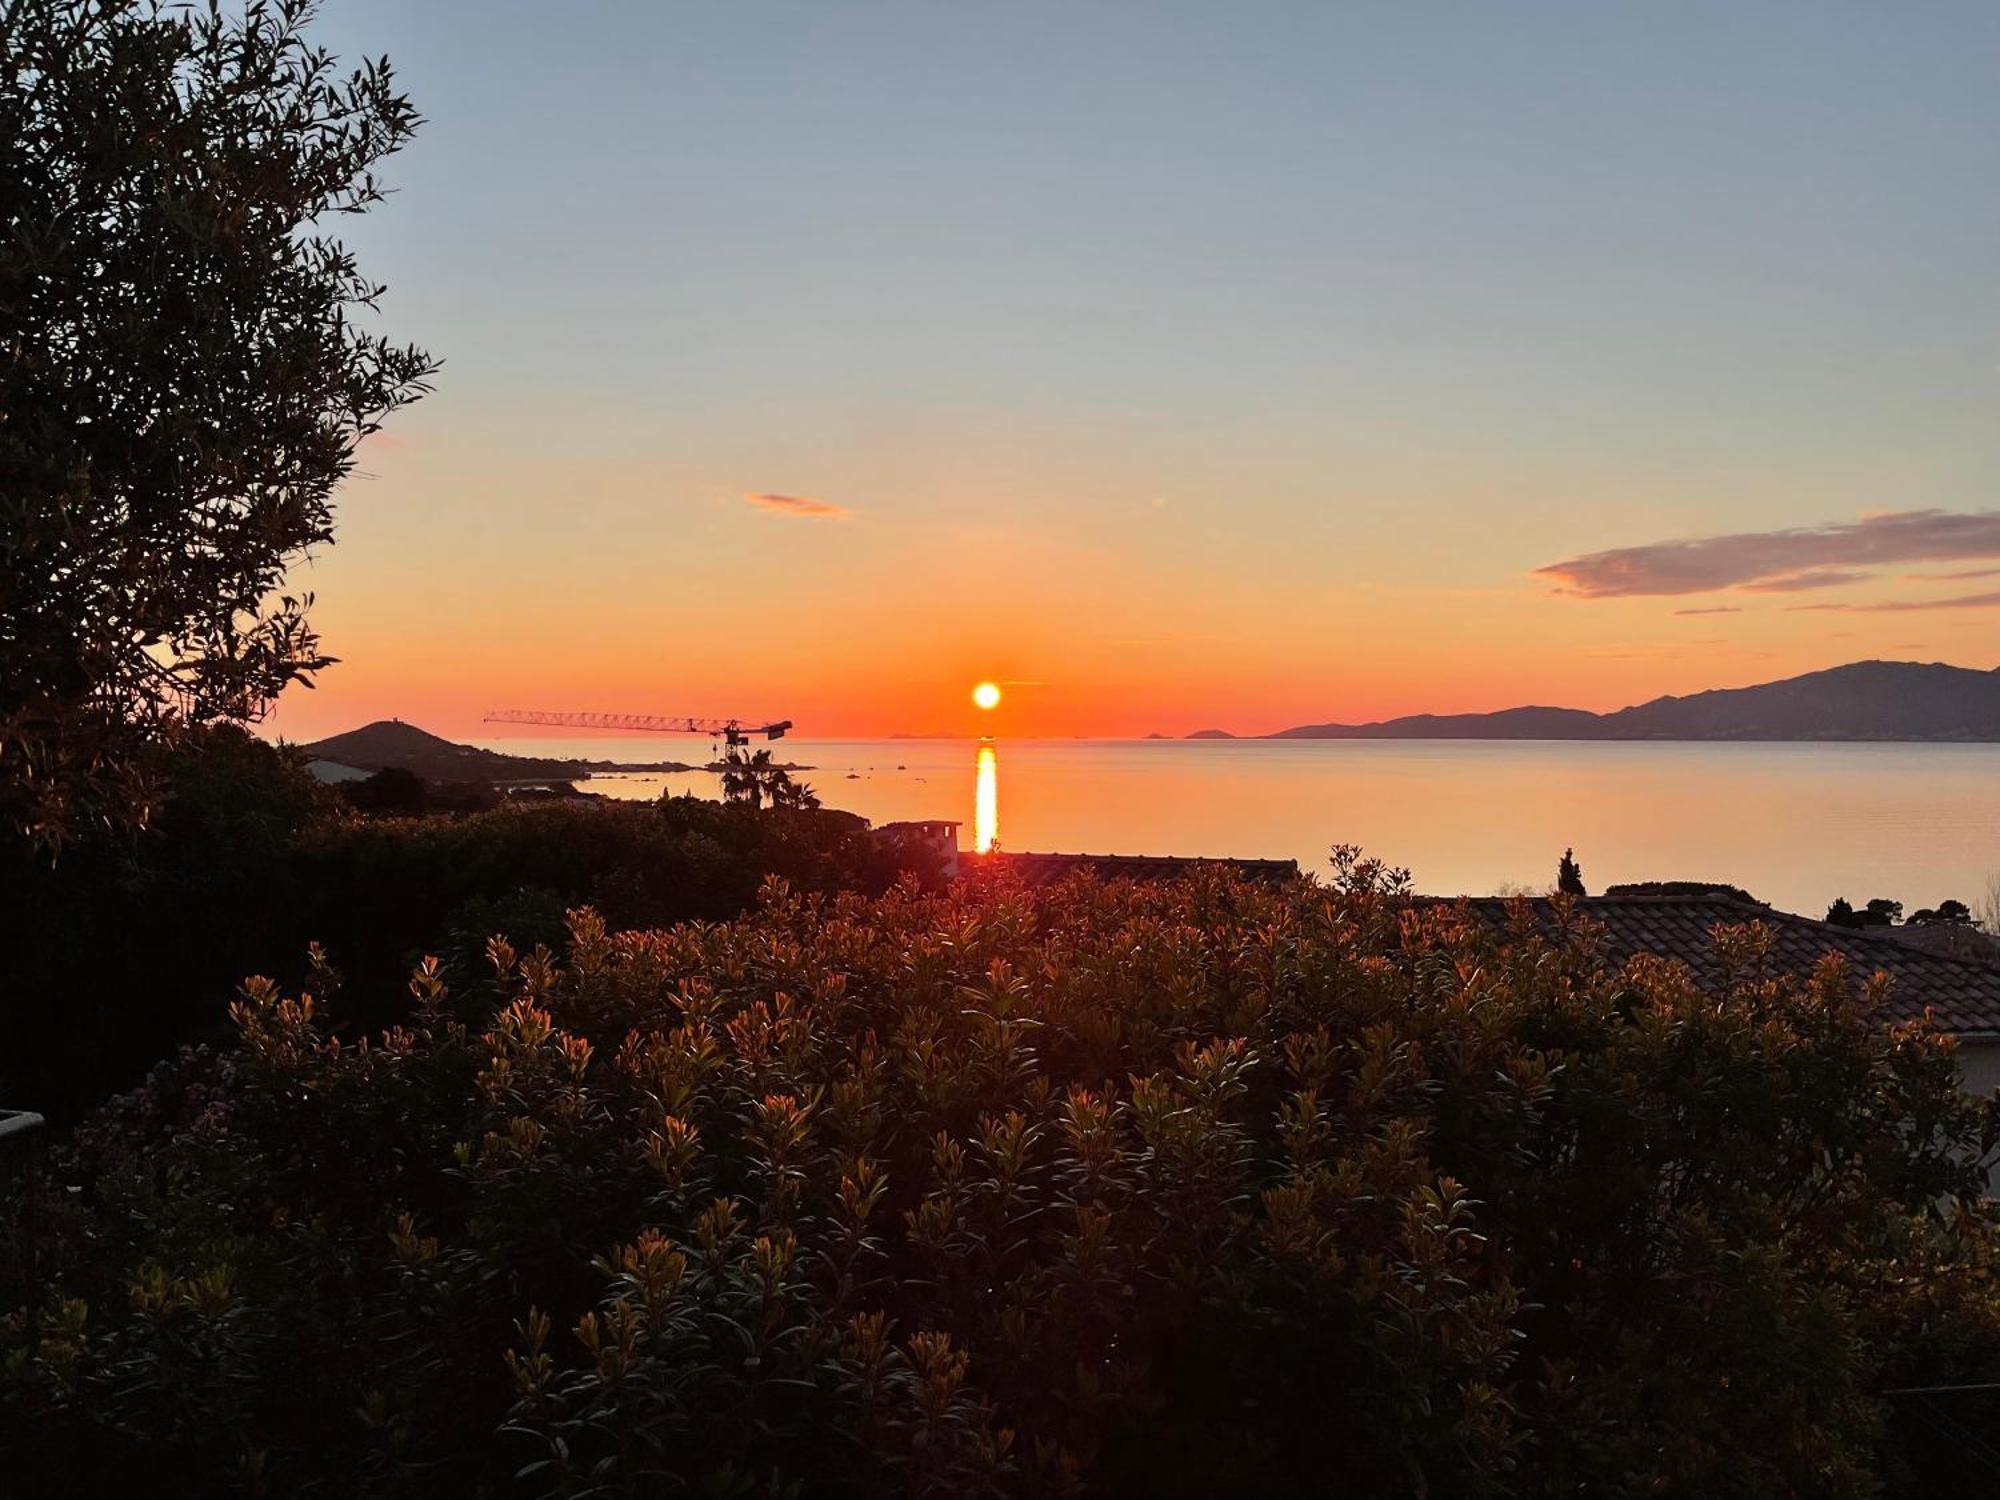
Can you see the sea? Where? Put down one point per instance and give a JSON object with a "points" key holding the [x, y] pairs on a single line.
{"points": [[1796, 825]]}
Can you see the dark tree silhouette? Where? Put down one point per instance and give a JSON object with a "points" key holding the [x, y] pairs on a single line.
{"points": [[786, 792], [752, 778], [184, 382], [391, 790], [742, 779], [1569, 875], [1944, 914], [1880, 912]]}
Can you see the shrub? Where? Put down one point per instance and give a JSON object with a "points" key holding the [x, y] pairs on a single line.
{"points": [[381, 893], [1193, 1189], [116, 955]]}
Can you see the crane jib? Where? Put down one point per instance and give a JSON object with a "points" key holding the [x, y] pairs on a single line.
{"points": [[737, 731]]}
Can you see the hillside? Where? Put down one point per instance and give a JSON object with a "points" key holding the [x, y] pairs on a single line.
{"points": [[391, 742], [1507, 724], [1866, 700]]}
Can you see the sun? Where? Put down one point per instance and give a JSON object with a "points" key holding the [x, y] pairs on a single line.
{"points": [[987, 695]]}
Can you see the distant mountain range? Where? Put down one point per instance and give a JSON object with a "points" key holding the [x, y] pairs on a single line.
{"points": [[1865, 700]]}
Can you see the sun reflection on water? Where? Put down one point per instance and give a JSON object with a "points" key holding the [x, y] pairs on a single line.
{"points": [[986, 799]]}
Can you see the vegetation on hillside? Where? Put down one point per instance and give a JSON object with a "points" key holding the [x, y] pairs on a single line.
{"points": [[1194, 1189]]}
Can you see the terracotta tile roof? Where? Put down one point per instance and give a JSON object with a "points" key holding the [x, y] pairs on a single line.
{"points": [[1963, 995], [1036, 870]]}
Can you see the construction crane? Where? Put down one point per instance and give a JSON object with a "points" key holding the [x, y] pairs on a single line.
{"points": [[734, 731]]}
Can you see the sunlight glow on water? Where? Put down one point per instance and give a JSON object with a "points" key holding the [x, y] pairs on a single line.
{"points": [[986, 800]]}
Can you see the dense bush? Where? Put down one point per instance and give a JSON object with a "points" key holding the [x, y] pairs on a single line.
{"points": [[1199, 1189], [380, 892], [116, 954]]}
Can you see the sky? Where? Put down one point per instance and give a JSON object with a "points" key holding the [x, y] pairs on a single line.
{"points": [[1173, 365]]}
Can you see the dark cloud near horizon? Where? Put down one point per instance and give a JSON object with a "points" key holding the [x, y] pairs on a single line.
{"points": [[1713, 609], [1901, 606], [799, 505], [1775, 561]]}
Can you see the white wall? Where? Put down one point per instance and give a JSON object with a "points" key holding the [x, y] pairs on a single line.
{"points": [[1979, 1063]]}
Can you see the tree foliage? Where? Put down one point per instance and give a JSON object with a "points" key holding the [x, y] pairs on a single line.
{"points": [[182, 377], [1196, 1189], [754, 778], [1879, 912], [1945, 914], [1569, 875]]}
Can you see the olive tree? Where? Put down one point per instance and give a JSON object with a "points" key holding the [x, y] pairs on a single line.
{"points": [[182, 378]]}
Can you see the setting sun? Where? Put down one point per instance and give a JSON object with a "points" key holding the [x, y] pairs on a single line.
{"points": [[987, 695]]}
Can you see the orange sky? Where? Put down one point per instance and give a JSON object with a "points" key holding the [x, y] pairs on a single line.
{"points": [[1134, 613]]}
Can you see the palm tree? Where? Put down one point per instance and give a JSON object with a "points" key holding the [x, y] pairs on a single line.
{"points": [[786, 792], [742, 776], [752, 778]]}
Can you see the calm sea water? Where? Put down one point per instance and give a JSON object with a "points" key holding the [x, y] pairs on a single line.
{"points": [[1796, 825]]}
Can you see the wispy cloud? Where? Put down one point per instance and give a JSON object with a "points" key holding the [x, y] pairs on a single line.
{"points": [[1902, 606], [1713, 609], [1798, 583], [1777, 560], [1964, 575], [799, 505]]}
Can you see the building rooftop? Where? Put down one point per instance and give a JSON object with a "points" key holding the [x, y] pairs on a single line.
{"points": [[1962, 994], [332, 772], [1673, 921], [1046, 869]]}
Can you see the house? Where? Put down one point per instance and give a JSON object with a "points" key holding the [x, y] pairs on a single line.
{"points": [[332, 772], [1960, 994], [938, 836]]}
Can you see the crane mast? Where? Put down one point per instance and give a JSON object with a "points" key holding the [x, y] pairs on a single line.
{"points": [[734, 731]]}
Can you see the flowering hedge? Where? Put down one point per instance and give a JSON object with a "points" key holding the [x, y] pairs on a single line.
{"points": [[1201, 1188]]}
